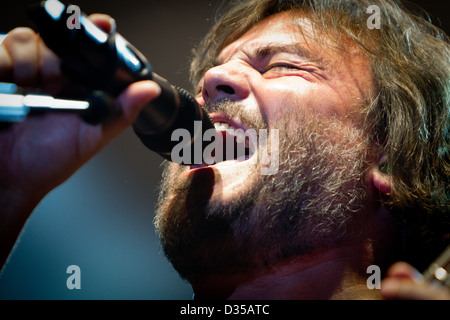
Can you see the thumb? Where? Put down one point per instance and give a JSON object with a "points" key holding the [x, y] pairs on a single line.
{"points": [[135, 97], [130, 102]]}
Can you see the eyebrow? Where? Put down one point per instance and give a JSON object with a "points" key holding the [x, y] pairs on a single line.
{"points": [[272, 49]]}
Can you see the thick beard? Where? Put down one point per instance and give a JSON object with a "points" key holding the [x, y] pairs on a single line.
{"points": [[310, 203]]}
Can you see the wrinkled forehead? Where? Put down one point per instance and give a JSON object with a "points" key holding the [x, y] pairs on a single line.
{"points": [[281, 29], [294, 30]]}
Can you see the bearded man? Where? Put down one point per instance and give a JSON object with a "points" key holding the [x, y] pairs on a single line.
{"points": [[360, 117]]}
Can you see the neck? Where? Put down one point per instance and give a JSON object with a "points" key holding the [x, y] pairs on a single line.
{"points": [[338, 273]]}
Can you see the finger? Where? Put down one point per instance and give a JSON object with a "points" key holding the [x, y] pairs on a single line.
{"points": [[104, 22], [405, 271], [21, 45], [131, 101], [403, 289], [51, 77], [5, 65]]}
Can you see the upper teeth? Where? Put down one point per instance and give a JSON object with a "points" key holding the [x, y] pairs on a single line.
{"points": [[222, 126], [238, 133]]}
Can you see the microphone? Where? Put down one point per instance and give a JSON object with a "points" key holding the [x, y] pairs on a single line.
{"points": [[107, 62]]}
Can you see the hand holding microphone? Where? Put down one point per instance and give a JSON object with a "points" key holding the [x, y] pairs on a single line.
{"points": [[41, 152], [108, 63]]}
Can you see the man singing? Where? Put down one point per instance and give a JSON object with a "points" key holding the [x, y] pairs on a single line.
{"points": [[361, 117]]}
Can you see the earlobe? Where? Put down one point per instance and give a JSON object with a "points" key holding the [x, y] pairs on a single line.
{"points": [[381, 180]]}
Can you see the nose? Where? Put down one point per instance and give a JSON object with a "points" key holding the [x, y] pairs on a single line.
{"points": [[227, 81]]}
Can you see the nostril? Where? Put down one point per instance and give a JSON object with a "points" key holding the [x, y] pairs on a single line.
{"points": [[226, 89]]}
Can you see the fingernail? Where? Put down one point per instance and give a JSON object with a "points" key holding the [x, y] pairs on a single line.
{"points": [[112, 26]]}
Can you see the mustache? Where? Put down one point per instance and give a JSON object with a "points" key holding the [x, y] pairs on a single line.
{"points": [[237, 110]]}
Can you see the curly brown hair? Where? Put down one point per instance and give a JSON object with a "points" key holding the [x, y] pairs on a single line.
{"points": [[409, 116]]}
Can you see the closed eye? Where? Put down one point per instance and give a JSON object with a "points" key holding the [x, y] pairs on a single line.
{"points": [[278, 70], [281, 67]]}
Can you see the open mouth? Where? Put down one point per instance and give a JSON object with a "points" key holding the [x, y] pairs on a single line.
{"points": [[234, 142]]}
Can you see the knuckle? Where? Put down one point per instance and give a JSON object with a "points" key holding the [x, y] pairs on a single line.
{"points": [[20, 34]]}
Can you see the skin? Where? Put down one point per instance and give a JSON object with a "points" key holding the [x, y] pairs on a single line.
{"points": [[40, 153]]}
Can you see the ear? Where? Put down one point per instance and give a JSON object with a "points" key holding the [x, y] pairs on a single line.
{"points": [[379, 177]]}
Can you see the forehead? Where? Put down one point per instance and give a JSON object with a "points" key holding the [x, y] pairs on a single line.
{"points": [[282, 29]]}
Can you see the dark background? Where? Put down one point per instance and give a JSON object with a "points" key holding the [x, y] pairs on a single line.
{"points": [[101, 218]]}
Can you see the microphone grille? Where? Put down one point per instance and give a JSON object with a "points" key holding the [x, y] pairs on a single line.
{"points": [[187, 100]]}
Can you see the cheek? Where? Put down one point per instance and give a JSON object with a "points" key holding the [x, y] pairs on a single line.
{"points": [[284, 101], [281, 101]]}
